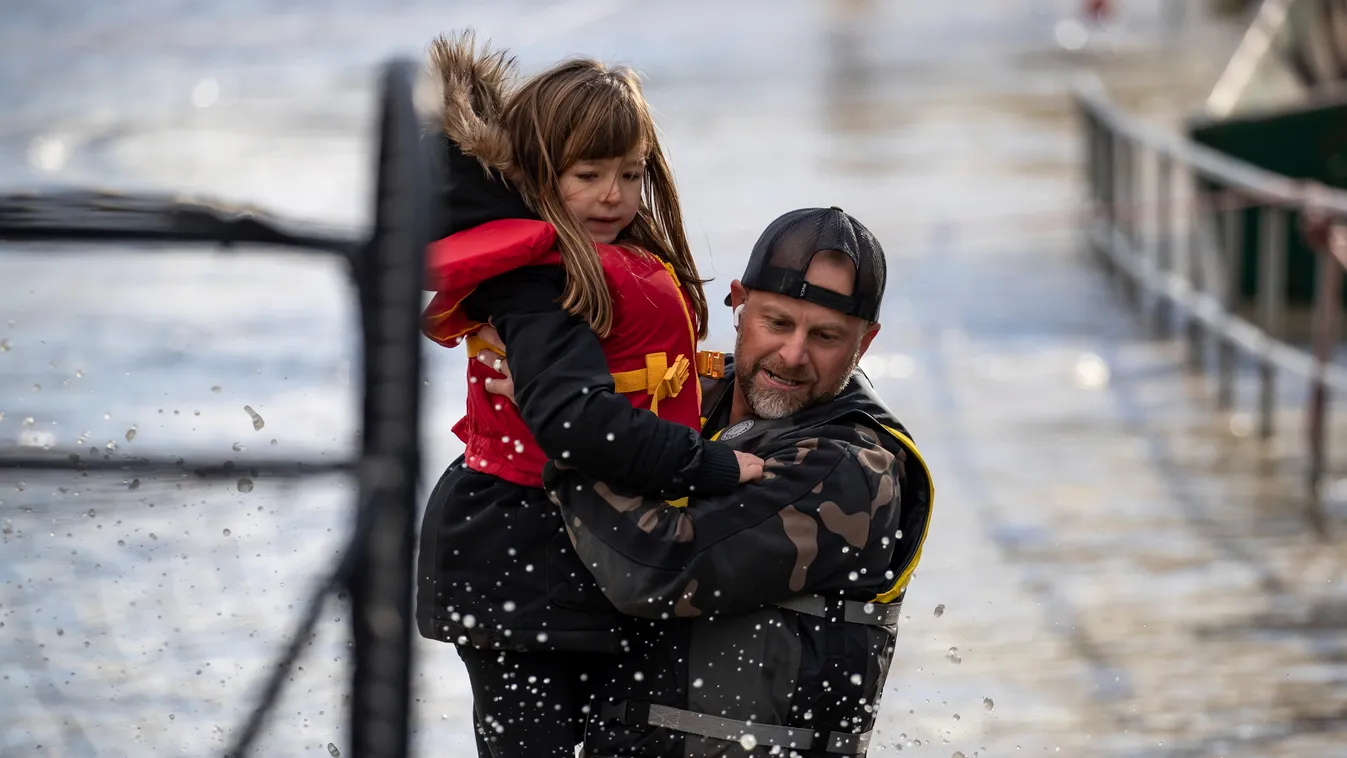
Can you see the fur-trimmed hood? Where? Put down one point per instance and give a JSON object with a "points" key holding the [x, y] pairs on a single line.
{"points": [[477, 160], [475, 85]]}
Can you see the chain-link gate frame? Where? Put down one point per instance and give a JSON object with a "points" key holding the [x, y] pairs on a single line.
{"points": [[388, 270]]}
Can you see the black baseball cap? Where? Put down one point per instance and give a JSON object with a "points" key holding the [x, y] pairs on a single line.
{"points": [[784, 251]]}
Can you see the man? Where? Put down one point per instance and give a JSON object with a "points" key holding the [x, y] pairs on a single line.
{"points": [[769, 614]]}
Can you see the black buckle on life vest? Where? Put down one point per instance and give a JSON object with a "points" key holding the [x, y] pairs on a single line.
{"points": [[626, 712]]}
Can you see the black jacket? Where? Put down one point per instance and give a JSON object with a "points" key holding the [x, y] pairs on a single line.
{"points": [[839, 521]]}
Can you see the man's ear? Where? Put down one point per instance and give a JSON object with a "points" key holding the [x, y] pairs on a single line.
{"points": [[737, 294], [869, 336]]}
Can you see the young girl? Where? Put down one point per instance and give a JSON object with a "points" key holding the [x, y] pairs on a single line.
{"points": [[580, 262]]}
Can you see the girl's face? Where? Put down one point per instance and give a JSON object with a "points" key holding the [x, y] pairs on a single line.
{"points": [[605, 194]]}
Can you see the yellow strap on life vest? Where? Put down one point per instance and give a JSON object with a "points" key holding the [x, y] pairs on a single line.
{"points": [[710, 363], [657, 378], [477, 344]]}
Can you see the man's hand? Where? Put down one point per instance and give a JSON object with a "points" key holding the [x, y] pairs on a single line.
{"points": [[503, 385], [750, 467]]}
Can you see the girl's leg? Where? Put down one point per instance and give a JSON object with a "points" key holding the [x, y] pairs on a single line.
{"points": [[483, 749], [527, 703]]}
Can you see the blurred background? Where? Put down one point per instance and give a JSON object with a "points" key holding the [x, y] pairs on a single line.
{"points": [[1116, 568]]}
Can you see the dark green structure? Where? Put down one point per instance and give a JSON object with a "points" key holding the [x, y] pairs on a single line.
{"points": [[1309, 142]]}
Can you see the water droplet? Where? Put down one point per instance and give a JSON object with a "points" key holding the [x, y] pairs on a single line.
{"points": [[37, 388], [958, 754], [273, 442], [258, 423], [205, 93], [216, 388], [853, 576], [611, 437], [238, 447], [91, 513], [697, 683], [333, 751], [21, 486], [748, 742], [542, 637], [154, 536], [940, 610], [856, 679], [29, 421], [130, 434], [1091, 371], [469, 621], [227, 532], [509, 606], [79, 373], [112, 445], [987, 703], [4, 346], [953, 655], [121, 543], [135, 484], [107, 416], [245, 485]]}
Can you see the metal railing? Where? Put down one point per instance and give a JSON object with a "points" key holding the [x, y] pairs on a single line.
{"points": [[387, 268], [1178, 258]]}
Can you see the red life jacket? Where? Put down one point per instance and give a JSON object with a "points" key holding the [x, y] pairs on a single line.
{"points": [[651, 349]]}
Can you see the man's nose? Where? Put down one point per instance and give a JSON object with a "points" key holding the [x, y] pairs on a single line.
{"points": [[795, 350]]}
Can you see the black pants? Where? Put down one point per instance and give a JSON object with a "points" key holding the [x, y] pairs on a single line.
{"points": [[529, 704]]}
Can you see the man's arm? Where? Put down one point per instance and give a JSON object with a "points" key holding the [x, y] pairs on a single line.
{"points": [[822, 519], [567, 398]]}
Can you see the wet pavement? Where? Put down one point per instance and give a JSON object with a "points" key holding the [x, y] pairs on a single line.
{"points": [[1112, 572]]}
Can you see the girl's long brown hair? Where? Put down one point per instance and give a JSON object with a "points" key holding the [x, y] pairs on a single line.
{"points": [[578, 110]]}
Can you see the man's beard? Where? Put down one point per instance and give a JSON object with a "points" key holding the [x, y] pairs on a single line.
{"points": [[774, 404]]}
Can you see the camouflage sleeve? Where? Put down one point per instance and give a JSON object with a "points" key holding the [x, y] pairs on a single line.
{"points": [[821, 519]]}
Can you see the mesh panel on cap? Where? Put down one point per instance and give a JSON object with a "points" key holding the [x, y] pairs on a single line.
{"points": [[786, 248]]}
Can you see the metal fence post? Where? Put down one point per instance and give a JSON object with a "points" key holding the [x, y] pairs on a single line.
{"points": [[1197, 352], [1272, 306], [381, 581], [1163, 313], [1232, 221], [1327, 312]]}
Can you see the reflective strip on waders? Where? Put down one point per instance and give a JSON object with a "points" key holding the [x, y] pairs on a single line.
{"points": [[732, 730], [854, 611]]}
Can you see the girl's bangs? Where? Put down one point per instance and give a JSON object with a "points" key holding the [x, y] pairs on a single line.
{"points": [[608, 128]]}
